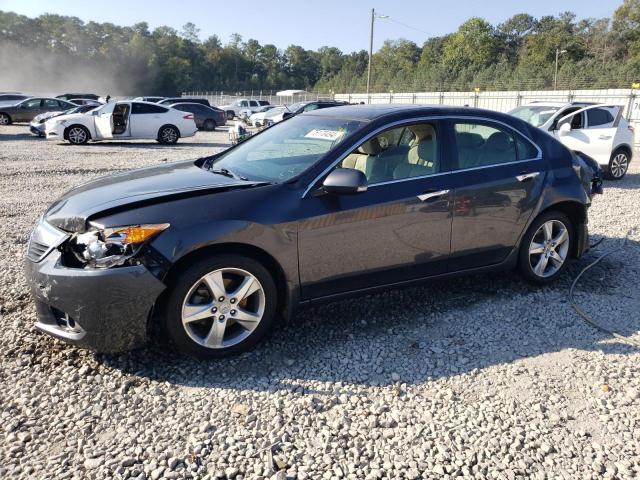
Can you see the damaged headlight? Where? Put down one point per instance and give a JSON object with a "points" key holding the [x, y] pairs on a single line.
{"points": [[108, 247]]}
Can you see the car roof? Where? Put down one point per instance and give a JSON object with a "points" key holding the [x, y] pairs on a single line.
{"points": [[190, 103], [373, 112], [556, 104]]}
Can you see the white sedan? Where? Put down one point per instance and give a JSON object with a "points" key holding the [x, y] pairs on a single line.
{"points": [[126, 120]]}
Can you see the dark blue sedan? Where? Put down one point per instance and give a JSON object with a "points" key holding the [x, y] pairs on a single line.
{"points": [[331, 203]]}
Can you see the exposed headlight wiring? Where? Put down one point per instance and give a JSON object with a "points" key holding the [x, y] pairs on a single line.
{"points": [[585, 316]]}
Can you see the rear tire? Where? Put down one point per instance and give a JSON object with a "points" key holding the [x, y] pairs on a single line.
{"points": [[546, 248], [168, 135], [230, 115], [5, 119], [618, 164], [206, 314], [77, 135], [209, 125]]}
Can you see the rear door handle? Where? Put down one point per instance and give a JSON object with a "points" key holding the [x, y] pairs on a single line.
{"points": [[527, 176], [429, 195], [604, 137]]}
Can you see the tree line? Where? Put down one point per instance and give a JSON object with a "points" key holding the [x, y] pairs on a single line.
{"points": [[516, 54]]}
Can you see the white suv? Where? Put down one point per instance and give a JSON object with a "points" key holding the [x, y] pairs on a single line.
{"points": [[597, 130]]}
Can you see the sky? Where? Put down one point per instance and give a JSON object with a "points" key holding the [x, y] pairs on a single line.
{"points": [[343, 24]]}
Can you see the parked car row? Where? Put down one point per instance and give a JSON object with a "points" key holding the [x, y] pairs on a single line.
{"points": [[596, 130], [62, 118]]}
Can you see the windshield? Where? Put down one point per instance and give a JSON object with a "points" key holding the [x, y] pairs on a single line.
{"points": [[287, 149], [274, 111], [296, 106], [535, 115]]}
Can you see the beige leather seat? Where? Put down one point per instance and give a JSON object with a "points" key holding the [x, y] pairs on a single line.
{"points": [[421, 158], [362, 158]]}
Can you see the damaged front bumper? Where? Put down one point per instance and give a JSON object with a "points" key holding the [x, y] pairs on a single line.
{"points": [[102, 309]]}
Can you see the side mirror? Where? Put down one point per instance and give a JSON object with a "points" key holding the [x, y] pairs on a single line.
{"points": [[345, 181], [286, 115], [564, 129]]}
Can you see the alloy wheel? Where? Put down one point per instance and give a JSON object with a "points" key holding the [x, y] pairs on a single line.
{"points": [[619, 165], [549, 248], [223, 308], [4, 119], [169, 135], [77, 135]]}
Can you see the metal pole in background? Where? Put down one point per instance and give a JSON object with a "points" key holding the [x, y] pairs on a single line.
{"points": [[373, 16], [555, 76]]}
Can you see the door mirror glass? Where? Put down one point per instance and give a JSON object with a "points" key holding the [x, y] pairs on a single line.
{"points": [[345, 181], [564, 129]]}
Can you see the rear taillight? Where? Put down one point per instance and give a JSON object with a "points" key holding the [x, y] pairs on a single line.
{"points": [[188, 117]]}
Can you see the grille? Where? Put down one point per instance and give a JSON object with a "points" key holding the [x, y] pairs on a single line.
{"points": [[44, 239], [36, 250]]}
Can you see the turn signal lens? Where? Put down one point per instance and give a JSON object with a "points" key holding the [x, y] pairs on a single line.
{"points": [[135, 234]]}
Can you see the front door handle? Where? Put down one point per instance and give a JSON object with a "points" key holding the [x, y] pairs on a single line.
{"points": [[604, 137], [527, 176], [429, 195]]}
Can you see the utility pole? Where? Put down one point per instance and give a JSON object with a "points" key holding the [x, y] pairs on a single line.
{"points": [[555, 76], [373, 16]]}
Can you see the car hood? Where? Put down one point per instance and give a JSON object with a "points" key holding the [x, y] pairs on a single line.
{"points": [[71, 116], [127, 189], [10, 103], [45, 116]]}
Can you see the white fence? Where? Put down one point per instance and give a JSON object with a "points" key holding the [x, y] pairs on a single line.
{"points": [[504, 101]]}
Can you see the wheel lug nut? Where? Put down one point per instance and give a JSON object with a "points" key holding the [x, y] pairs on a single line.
{"points": [[214, 310], [233, 300], [232, 312], [221, 318], [221, 299]]}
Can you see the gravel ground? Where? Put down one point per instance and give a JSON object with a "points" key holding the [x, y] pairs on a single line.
{"points": [[480, 377]]}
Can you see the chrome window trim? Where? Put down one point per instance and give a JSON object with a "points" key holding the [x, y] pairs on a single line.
{"points": [[422, 119]]}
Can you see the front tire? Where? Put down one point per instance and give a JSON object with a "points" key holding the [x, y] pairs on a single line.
{"points": [[220, 306], [78, 135], [5, 119], [618, 164], [168, 135], [545, 248]]}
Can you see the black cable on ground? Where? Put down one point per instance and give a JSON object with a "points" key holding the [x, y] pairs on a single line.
{"points": [[585, 316]]}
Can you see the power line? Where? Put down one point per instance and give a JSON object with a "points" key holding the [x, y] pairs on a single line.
{"points": [[386, 17]]}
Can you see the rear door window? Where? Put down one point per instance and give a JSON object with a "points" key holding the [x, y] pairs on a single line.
{"points": [[480, 145], [145, 108], [599, 117]]}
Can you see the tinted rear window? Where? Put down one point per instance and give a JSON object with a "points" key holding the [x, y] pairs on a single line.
{"points": [[140, 108], [599, 116]]}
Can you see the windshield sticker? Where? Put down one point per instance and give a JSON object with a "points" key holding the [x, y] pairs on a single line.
{"points": [[330, 135]]}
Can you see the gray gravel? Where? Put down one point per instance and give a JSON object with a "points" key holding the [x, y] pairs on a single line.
{"points": [[481, 377]]}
